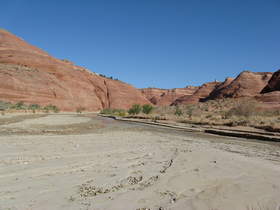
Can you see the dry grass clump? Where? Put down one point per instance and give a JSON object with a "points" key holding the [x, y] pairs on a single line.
{"points": [[228, 112], [223, 112], [116, 112]]}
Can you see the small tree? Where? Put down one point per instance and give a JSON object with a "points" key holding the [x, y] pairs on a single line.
{"points": [[147, 108], [135, 109]]}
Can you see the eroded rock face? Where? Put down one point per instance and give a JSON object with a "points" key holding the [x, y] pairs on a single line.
{"points": [[246, 84], [199, 95], [217, 90], [165, 97], [30, 75], [272, 98], [270, 94], [153, 94], [273, 83]]}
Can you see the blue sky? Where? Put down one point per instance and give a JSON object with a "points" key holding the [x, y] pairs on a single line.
{"points": [[153, 43]]}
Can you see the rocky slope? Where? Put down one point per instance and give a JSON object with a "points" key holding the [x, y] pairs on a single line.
{"points": [[31, 75], [270, 94], [199, 95], [270, 99], [219, 88], [246, 84], [165, 97], [273, 83]]}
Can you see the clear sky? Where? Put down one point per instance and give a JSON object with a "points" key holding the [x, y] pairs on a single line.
{"points": [[153, 43]]}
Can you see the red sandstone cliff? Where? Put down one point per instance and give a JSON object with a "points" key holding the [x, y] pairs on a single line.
{"points": [[246, 84], [219, 88], [273, 83], [30, 75], [164, 97], [270, 94], [199, 95]]}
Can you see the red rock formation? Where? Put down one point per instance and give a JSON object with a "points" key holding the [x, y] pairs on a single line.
{"points": [[273, 83], [246, 84], [270, 94], [270, 98], [153, 94], [199, 95], [30, 75], [164, 97], [217, 90]]}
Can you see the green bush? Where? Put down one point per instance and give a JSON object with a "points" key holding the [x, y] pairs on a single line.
{"points": [[147, 108], [18, 106], [135, 109], [51, 107], [107, 111], [178, 111], [4, 105], [34, 107], [118, 112]]}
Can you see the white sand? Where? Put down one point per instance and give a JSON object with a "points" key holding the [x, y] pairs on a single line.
{"points": [[136, 169]]}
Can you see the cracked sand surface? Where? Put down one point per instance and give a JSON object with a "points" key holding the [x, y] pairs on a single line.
{"points": [[125, 166]]}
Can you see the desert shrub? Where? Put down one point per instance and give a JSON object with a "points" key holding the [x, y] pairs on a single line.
{"points": [[245, 109], [155, 118], [164, 110], [106, 111], [208, 116], [178, 111], [269, 113], [135, 109], [147, 108], [276, 112], [118, 112], [18, 106], [80, 109], [4, 105], [52, 108], [56, 109], [34, 107], [190, 110]]}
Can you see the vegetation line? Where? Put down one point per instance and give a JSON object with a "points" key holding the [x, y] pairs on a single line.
{"points": [[245, 134]]}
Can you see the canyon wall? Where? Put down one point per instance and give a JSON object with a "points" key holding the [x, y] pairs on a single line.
{"points": [[30, 75]]}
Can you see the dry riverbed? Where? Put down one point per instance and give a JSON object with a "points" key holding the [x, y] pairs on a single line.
{"points": [[70, 161]]}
